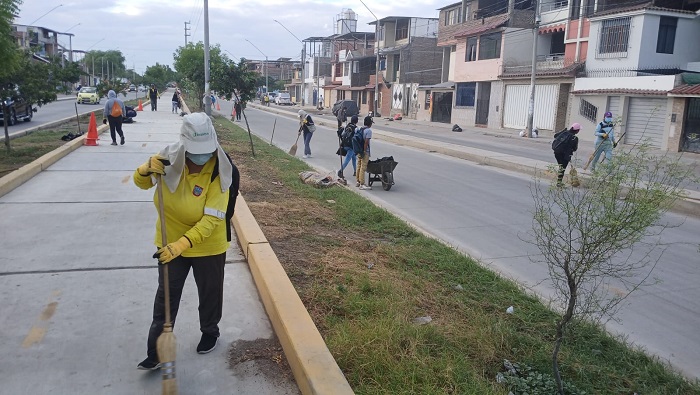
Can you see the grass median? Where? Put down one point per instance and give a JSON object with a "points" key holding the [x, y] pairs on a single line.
{"points": [[365, 277], [27, 148]]}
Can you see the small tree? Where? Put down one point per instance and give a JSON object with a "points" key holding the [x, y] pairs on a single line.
{"points": [[591, 237], [160, 75], [189, 64]]}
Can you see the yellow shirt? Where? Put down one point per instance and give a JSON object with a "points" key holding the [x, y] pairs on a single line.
{"points": [[197, 209]]}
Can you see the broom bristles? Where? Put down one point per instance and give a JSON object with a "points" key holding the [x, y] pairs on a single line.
{"points": [[167, 349]]}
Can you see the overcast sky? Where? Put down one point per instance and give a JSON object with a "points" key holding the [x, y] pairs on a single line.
{"points": [[149, 31]]}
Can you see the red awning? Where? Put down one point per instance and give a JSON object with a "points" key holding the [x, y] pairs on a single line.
{"points": [[552, 29], [473, 30], [685, 90]]}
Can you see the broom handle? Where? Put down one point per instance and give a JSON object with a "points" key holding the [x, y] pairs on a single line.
{"points": [[164, 240]]}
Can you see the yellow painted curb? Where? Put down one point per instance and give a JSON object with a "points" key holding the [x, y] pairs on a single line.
{"points": [[26, 172], [315, 370], [246, 226]]}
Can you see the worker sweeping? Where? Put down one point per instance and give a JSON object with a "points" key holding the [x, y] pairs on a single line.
{"points": [[604, 138], [564, 145], [197, 178]]}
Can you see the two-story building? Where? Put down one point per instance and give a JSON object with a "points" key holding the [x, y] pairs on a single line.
{"points": [[408, 57], [42, 41], [642, 66], [478, 38]]}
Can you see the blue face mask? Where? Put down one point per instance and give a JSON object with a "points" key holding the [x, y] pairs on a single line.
{"points": [[198, 159], [608, 120]]}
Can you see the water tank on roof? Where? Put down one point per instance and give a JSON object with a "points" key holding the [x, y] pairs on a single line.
{"points": [[346, 22]]}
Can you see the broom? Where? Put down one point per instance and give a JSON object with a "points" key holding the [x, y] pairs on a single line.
{"points": [[166, 344], [293, 150]]}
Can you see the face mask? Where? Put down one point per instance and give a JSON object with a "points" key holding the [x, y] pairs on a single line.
{"points": [[608, 120], [199, 159]]}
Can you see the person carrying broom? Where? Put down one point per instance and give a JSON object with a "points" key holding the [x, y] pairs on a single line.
{"points": [[194, 206], [564, 145]]}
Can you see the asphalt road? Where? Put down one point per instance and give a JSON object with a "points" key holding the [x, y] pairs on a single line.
{"points": [[487, 213], [61, 109]]}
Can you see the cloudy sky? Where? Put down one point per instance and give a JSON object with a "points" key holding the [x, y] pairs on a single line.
{"points": [[149, 31]]}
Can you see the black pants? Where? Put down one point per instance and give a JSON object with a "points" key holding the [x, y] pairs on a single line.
{"points": [[209, 276], [340, 124], [115, 123], [563, 161], [238, 114], [154, 103]]}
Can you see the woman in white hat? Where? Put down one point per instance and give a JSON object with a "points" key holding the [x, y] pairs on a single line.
{"points": [[195, 201], [307, 126]]}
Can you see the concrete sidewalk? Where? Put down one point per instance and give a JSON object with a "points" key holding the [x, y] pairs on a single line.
{"points": [[78, 282], [499, 148]]}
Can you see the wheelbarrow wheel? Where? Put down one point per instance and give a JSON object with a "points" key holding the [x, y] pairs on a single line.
{"points": [[387, 180]]}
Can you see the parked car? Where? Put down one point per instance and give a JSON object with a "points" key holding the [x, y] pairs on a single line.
{"points": [[283, 99], [132, 88], [350, 107], [88, 95], [18, 108]]}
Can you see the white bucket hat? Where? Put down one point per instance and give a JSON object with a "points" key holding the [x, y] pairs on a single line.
{"points": [[197, 134]]}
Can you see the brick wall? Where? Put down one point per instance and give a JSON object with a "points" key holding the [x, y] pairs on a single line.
{"points": [[676, 128], [421, 62]]}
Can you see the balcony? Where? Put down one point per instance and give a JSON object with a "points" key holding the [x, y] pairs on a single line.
{"points": [[544, 63], [360, 79]]}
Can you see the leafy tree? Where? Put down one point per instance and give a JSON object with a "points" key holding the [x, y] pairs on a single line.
{"points": [[189, 64], [160, 75], [112, 85], [35, 80], [233, 81], [600, 243], [8, 47], [101, 63], [69, 73]]}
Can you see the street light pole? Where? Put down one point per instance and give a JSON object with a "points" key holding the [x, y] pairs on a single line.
{"points": [[303, 60], [376, 65], [207, 94], [531, 103], [267, 86]]}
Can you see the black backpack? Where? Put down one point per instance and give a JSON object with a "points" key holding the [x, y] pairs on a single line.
{"points": [[358, 140], [232, 193], [346, 135], [562, 142]]}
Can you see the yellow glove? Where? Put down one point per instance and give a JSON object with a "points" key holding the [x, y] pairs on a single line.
{"points": [[605, 136], [154, 165], [172, 250]]}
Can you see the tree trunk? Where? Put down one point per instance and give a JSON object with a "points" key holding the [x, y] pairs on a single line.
{"points": [[6, 112], [561, 327]]}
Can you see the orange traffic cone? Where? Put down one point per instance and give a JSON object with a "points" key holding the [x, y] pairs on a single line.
{"points": [[218, 108], [91, 138], [233, 111], [140, 106]]}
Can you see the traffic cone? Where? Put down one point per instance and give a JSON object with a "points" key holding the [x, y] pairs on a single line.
{"points": [[233, 111], [218, 108], [140, 106], [91, 138]]}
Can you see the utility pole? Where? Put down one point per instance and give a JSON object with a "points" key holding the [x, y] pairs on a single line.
{"points": [[187, 29], [207, 94], [376, 66], [531, 104]]}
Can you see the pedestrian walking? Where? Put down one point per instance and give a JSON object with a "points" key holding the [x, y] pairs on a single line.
{"points": [[308, 128], [153, 96], [361, 146], [604, 137], [198, 178], [346, 146], [342, 116], [267, 100], [113, 113], [564, 145], [238, 108], [176, 103]]}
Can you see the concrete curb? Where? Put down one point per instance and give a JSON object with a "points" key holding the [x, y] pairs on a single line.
{"points": [[688, 206], [315, 370]]}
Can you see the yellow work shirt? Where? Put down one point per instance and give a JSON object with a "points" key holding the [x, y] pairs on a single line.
{"points": [[197, 210]]}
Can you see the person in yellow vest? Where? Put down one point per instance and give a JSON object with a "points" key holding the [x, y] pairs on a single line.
{"points": [[114, 114], [197, 178]]}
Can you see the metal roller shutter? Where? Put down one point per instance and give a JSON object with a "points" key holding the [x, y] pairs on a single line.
{"points": [[516, 104], [646, 119]]}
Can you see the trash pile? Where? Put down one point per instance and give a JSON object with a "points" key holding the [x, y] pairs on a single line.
{"points": [[317, 180]]}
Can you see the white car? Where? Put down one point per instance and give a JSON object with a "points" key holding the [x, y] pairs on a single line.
{"points": [[283, 99]]}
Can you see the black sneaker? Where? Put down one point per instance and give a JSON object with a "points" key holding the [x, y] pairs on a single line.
{"points": [[340, 174], [207, 344], [122, 141], [148, 364]]}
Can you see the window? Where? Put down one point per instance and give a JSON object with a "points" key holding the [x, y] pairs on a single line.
{"points": [[470, 56], [490, 46], [667, 34], [453, 16], [346, 68], [401, 29], [465, 94], [382, 64], [614, 36], [364, 97], [588, 111]]}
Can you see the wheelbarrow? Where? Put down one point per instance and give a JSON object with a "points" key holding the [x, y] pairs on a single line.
{"points": [[382, 170]]}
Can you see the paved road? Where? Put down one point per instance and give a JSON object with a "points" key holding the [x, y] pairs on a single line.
{"points": [[486, 213], [60, 109]]}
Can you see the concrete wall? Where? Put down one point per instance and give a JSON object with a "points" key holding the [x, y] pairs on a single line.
{"points": [[423, 113], [587, 127], [423, 27], [463, 116], [675, 133], [516, 48], [658, 82], [421, 62], [496, 105]]}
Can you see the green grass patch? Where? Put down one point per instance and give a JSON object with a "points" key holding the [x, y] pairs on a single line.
{"points": [[365, 276]]}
